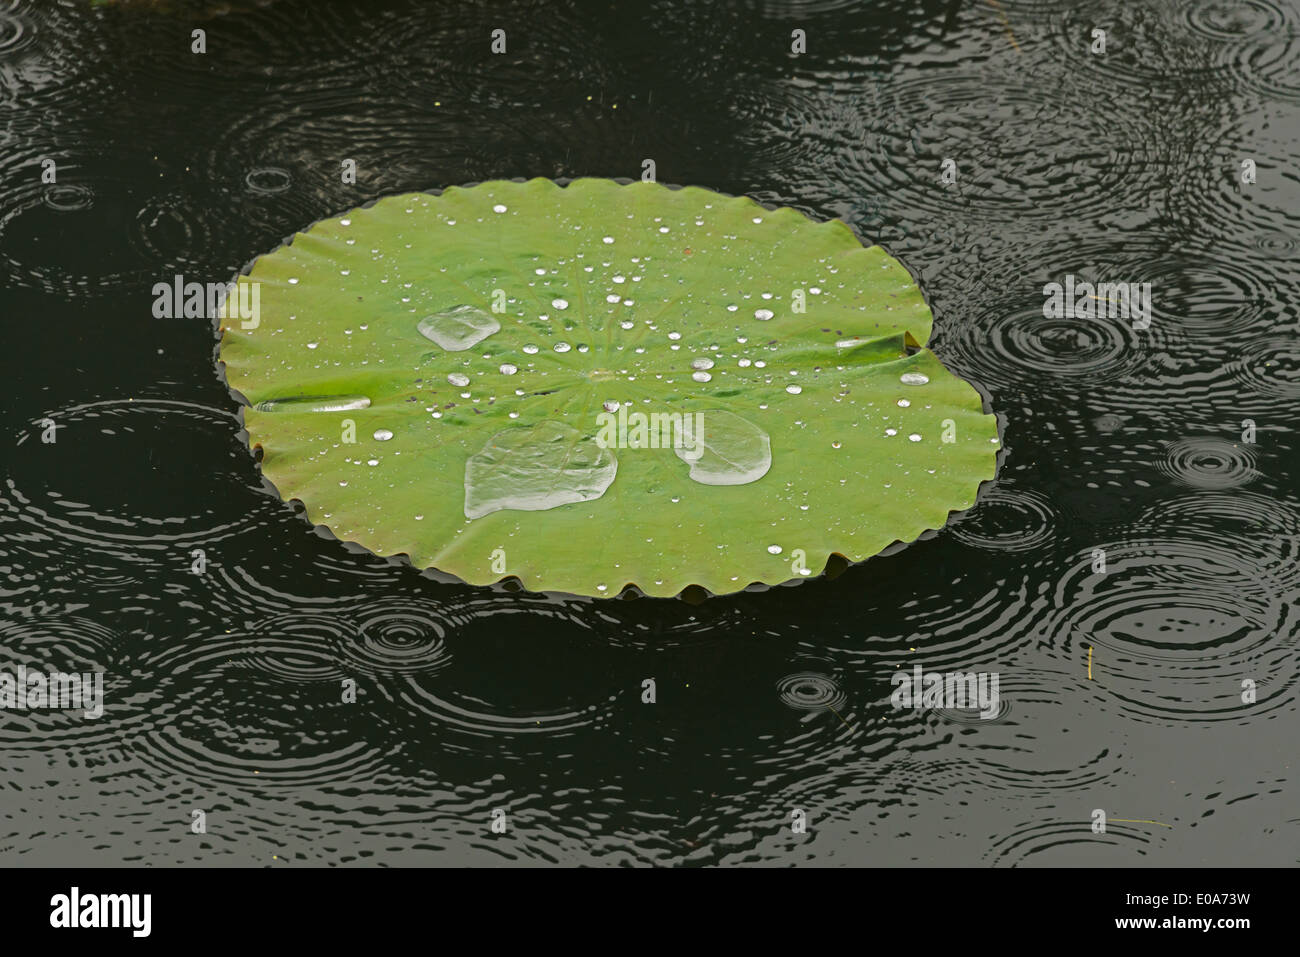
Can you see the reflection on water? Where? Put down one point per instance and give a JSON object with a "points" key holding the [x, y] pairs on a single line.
{"points": [[1132, 577]]}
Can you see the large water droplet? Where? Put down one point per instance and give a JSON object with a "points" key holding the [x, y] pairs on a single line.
{"points": [[763, 314], [382, 435], [458, 379], [701, 363], [314, 403], [536, 468], [722, 448], [458, 328], [914, 378]]}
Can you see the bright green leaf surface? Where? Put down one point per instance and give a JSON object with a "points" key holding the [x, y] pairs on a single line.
{"points": [[637, 296]]}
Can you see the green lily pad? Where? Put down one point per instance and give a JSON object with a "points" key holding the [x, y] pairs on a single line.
{"points": [[599, 385]]}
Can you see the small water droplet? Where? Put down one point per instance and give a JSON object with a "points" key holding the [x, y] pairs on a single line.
{"points": [[530, 349], [382, 435], [763, 314], [562, 347], [559, 304], [509, 368], [701, 363], [498, 208], [903, 403], [458, 379], [607, 240], [794, 389], [701, 376], [915, 437], [774, 549], [914, 378]]}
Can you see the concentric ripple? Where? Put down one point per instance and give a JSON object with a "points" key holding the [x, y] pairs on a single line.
{"points": [[1007, 519], [1262, 531], [1145, 52], [171, 455], [224, 754], [994, 616], [72, 645], [71, 238], [15, 34], [393, 638], [1209, 199], [1209, 462], [1059, 843], [1225, 298], [1232, 19], [982, 122], [170, 230], [1174, 626], [295, 647], [1017, 346], [1167, 599], [1268, 63], [1270, 367], [809, 691]]}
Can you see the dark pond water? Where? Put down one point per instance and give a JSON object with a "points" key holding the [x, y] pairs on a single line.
{"points": [[222, 690]]}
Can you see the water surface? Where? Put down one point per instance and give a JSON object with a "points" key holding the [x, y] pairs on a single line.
{"points": [[223, 689]]}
